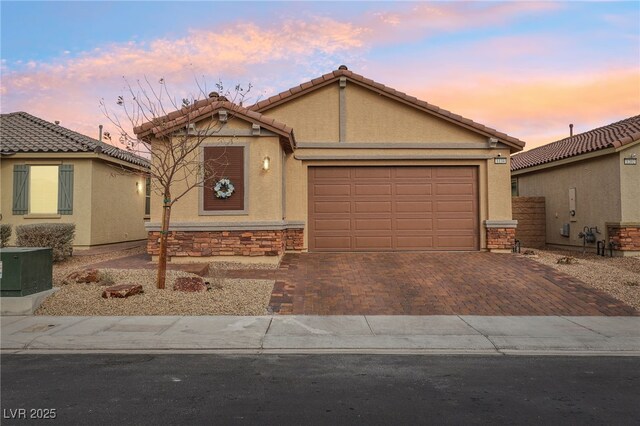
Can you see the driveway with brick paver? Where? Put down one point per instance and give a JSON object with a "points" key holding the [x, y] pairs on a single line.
{"points": [[428, 284]]}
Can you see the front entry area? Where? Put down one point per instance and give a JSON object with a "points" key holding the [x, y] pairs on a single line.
{"points": [[393, 208]]}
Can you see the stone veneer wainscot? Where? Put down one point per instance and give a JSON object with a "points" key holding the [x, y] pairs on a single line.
{"points": [[227, 243]]}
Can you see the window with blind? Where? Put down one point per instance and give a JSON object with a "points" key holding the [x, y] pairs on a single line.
{"points": [[224, 162]]}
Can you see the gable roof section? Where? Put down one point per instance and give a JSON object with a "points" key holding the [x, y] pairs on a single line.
{"points": [[22, 132], [334, 76], [206, 107], [613, 135]]}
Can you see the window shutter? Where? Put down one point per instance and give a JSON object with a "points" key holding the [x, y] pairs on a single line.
{"points": [[65, 189], [20, 189]]}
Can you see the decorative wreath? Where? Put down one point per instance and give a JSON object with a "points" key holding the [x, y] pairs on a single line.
{"points": [[223, 188]]}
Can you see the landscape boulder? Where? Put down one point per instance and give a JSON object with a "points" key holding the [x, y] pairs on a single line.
{"points": [[190, 284], [85, 276], [122, 290]]}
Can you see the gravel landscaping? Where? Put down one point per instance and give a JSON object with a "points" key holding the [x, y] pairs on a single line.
{"points": [[618, 276], [64, 268], [227, 297]]}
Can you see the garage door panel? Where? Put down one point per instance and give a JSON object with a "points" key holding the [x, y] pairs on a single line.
{"points": [[454, 206], [413, 172], [452, 224], [331, 172], [413, 189], [373, 189], [332, 207], [393, 208], [454, 189], [413, 206], [373, 242], [455, 242], [373, 224], [454, 172], [332, 224], [332, 242], [334, 190], [372, 172], [414, 242], [372, 206], [414, 224]]}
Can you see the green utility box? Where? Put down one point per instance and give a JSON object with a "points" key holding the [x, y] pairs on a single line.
{"points": [[25, 270]]}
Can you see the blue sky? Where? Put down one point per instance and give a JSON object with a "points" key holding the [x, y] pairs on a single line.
{"points": [[525, 68]]}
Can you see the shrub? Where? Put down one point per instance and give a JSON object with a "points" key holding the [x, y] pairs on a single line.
{"points": [[5, 234], [58, 236]]}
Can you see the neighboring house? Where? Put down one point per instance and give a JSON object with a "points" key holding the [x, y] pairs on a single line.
{"points": [[55, 175], [369, 169], [588, 180]]}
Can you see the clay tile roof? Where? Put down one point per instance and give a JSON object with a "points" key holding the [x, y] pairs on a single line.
{"points": [[613, 135], [22, 132], [321, 81], [206, 107]]}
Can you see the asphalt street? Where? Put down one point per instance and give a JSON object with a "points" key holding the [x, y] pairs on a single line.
{"points": [[111, 389]]}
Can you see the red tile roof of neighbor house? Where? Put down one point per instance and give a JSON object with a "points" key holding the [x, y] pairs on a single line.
{"points": [[613, 135], [206, 107], [333, 76], [22, 132]]}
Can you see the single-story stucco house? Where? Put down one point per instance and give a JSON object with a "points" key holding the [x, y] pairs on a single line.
{"points": [[588, 180], [369, 169], [52, 174]]}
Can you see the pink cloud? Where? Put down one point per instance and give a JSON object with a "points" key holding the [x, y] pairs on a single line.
{"points": [[539, 110]]}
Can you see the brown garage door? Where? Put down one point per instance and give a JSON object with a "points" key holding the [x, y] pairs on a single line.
{"points": [[393, 208]]}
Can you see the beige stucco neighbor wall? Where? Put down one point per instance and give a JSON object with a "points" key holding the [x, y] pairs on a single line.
{"points": [[630, 186], [117, 212], [598, 196], [81, 195]]}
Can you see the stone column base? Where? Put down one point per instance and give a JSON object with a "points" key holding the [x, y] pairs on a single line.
{"points": [[624, 236], [501, 235]]}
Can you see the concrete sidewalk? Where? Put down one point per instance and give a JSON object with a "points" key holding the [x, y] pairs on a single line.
{"points": [[324, 334]]}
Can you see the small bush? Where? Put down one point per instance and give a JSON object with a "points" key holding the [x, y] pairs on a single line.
{"points": [[58, 236], [105, 278], [5, 234]]}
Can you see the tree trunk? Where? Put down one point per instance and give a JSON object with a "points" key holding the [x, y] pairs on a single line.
{"points": [[164, 233]]}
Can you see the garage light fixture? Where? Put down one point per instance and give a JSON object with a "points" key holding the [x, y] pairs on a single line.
{"points": [[266, 163], [631, 161]]}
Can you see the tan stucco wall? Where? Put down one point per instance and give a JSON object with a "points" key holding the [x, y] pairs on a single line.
{"points": [[117, 212], [630, 185], [314, 116], [370, 117], [375, 118], [82, 178], [264, 187], [597, 183]]}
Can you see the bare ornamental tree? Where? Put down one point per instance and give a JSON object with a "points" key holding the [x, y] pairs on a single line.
{"points": [[154, 125]]}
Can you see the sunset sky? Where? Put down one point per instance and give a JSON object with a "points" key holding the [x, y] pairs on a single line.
{"points": [[525, 68]]}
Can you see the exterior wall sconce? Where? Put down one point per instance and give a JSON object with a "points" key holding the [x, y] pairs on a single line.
{"points": [[138, 187], [500, 159], [266, 163], [631, 161]]}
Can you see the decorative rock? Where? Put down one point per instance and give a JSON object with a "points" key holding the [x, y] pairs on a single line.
{"points": [[86, 276], [190, 284], [122, 290], [567, 260]]}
